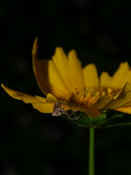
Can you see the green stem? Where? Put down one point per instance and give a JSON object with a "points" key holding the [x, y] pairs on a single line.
{"points": [[91, 151]]}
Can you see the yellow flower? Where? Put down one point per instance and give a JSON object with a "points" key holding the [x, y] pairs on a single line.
{"points": [[68, 86]]}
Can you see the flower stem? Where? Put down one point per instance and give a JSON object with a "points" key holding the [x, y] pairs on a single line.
{"points": [[91, 151]]}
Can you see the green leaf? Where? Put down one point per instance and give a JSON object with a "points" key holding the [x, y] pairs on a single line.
{"points": [[118, 125], [88, 121], [82, 120]]}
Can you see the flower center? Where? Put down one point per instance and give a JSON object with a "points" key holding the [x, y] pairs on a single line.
{"points": [[90, 96], [88, 100]]}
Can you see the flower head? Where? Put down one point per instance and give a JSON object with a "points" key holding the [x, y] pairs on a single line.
{"points": [[70, 87]]}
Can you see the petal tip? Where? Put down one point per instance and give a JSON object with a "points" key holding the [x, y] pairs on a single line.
{"points": [[59, 52], [58, 49], [6, 89], [3, 86], [35, 46], [73, 53]]}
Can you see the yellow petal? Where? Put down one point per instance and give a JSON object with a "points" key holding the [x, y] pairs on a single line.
{"points": [[40, 68], [90, 76], [120, 77], [51, 98], [127, 87], [37, 102], [124, 109], [61, 63], [57, 84], [105, 79], [76, 75], [129, 76]]}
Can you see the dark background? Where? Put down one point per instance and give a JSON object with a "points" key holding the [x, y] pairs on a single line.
{"points": [[35, 143]]}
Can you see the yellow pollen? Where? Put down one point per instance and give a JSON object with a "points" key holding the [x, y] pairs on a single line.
{"points": [[103, 93], [116, 96], [94, 98], [109, 91], [113, 93]]}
